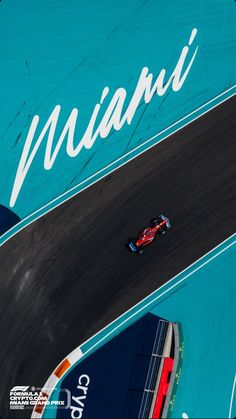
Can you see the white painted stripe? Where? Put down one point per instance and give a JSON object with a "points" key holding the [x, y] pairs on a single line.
{"points": [[232, 397], [35, 415], [158, 297], [47, 389], [75, 355], [168, 282], [119, 159], [50, 383]]}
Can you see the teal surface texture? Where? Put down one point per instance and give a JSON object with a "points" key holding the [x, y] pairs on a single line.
{"points": [[202, 298], [60, 53], [206, 308]]}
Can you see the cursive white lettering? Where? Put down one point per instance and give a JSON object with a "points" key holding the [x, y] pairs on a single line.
{"points": [[112, 117]]}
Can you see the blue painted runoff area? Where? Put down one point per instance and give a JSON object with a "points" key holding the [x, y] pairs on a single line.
{"points": [[8, 219], [205, 305], [64, 53], [202, 298], [114, 378], [153, 299]]}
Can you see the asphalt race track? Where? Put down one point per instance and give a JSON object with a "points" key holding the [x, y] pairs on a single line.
{"points": [[69, 274]]}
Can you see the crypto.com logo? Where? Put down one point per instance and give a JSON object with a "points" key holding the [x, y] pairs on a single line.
{"points": [[77, 405]]}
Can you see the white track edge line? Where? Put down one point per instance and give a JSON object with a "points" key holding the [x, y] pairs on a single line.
{"points": [[232, 397], [78, 349], [162, 286], [115, 161], [158, 297]]}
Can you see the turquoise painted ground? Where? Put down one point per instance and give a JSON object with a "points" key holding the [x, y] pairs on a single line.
{"points": [[203, 299], [60, 52], [206, 308]]}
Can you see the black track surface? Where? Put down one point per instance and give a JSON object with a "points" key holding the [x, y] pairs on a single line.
{"points": [[69, 274]]}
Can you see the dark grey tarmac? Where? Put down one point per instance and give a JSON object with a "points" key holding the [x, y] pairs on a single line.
{"points": [[69, 274]]}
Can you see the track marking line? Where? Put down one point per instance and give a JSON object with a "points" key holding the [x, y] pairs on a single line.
{"points": [[232, 397], [78, 354], [158, 297], [60, 197], [168, 282]]}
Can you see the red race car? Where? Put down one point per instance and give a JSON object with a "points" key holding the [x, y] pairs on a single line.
{"points": [[159, 225]]}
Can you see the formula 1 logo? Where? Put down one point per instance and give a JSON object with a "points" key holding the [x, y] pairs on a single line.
{"points": [[23, 397], [19, 388], [27, 397]]}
